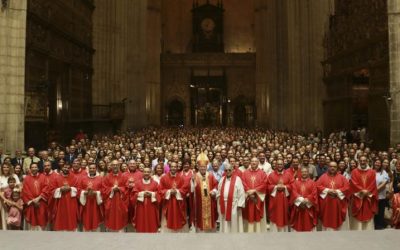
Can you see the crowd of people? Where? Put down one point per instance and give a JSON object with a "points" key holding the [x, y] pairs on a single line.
{"points": [[202, 180]]}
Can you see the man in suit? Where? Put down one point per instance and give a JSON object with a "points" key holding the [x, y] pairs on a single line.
{"points": [[44, 158], [18, 159], [71, 156], [29, 160], [80, 149]]}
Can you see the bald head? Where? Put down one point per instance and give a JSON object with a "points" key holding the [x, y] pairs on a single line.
{"points": [[332, 169]]}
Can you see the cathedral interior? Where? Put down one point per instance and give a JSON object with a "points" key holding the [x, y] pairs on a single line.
{"points": [[109, 65]]}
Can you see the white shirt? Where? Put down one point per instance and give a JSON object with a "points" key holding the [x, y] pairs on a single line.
{"points": [[380, 178], [266, 167]]}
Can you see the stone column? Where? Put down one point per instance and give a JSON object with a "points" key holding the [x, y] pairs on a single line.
{"points": [[266, 62], [153, 64], [120, 41], [303, 88], [394, 64], [12, 75]]}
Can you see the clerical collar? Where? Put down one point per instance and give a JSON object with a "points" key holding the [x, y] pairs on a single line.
{"points": [[172, 175], [359, 167], [146, 181], [65, 175], [93, 176]]}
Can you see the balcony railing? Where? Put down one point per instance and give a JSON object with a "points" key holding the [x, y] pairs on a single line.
{"points": [[112, 111]]}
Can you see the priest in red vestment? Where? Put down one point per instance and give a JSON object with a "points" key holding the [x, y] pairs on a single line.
{"points": [[91, 201], [396, 211], [65, 207], [35, 195], [187, 173], [77, 171], [364, 196], [173, 190], [146, 200], [279, 188], [254, 182], [333, 190], [115, 200], [304, 202], [133, 172], [295, 169], [205, 188], [130, 177], [49, 176]]}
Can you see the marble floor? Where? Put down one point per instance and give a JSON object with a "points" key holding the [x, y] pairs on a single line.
{"points": [[387, 239]]}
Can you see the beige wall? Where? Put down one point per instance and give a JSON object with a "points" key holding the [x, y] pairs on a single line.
{"points": [[289, 86], [238, 25], [12, 75], [127, 63], [394, 64]]}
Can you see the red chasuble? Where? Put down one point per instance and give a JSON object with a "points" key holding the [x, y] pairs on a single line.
{"points": [[227, 211], [296, 173], [363, 209], [115, 203], [49, 178], [173, 209], [91, 211], [81, 173], [189, 196], [146, 217], [278, 207], [254, 179], [206, 213], [137, 175], [131, 178], [396, 211], [332, 209], [65, 209], [304, 219], [35, 186]]}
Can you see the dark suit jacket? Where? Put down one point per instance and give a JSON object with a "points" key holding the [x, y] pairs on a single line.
{"points": [[14, 161], [82, 151], [70, 158]]}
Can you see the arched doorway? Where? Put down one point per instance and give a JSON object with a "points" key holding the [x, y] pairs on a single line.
{"points": [[176, 111]]}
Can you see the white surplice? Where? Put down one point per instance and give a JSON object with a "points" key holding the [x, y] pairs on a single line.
{"points": [[238, 202]]}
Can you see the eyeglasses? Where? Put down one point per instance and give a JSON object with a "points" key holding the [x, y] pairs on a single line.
{"points": [[228, 170]]}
